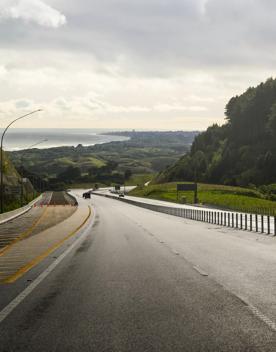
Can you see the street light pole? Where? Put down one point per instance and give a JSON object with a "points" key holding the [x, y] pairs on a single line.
{"points": [[30, 147], [2, 155]]}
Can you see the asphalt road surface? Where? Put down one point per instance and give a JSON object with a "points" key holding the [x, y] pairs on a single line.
{"points": [[144, 281]]}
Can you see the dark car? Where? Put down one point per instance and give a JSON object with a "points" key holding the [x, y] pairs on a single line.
{"points": [[86, 195]]}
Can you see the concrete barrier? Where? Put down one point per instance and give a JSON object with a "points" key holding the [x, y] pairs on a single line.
{"points": [[73, 198], [10, 215]]}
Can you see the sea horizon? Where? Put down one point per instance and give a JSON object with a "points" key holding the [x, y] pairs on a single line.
{"points": [[24, 138]]}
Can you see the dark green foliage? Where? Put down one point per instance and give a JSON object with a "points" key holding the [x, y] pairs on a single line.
{"points": [[242, 151], [71, 174], [128, 174]]}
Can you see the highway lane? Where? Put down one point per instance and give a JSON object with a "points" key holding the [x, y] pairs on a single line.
{"points": [[243, 262], [126, 289]]}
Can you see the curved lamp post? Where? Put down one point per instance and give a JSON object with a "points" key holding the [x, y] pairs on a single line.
{"points": [[2, 154], [26, 149]]}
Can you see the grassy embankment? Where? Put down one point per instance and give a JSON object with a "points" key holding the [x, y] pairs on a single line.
{"points": [[224, 197]]}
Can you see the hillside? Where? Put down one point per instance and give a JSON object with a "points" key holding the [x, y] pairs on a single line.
{"points": [[11, 177], [12, 184], [242, 151]]}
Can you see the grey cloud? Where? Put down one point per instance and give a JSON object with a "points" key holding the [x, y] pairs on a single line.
{"points": [[154, 35]]}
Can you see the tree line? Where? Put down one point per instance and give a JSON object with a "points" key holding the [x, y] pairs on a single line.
{"points": [[240, 152]]}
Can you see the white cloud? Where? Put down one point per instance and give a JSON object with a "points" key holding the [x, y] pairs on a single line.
{"points": [[35, 11]]}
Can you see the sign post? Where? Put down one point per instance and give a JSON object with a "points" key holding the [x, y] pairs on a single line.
{"points": [[182, 187], [117, 188]]}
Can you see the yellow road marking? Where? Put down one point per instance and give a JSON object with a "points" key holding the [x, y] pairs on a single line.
{"points": [[24, 234], [44, 255]]}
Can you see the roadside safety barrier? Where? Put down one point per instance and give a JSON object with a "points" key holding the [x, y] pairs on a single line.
{"points": [[265, 224]]}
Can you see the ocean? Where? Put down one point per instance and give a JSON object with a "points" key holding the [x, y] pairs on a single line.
{"points": [[22, 138]]}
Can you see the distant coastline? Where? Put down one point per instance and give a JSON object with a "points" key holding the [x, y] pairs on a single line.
{"points": [[18, 139], [21, 138]]}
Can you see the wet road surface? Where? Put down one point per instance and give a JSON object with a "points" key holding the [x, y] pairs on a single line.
{"points": [[125, 289]]}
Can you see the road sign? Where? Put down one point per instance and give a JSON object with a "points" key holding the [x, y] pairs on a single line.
{"points": [[187, 187]]}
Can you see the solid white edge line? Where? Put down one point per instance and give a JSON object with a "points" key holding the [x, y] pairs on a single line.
{"points": [[17, 300]]}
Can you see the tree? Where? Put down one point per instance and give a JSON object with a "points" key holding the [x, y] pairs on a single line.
{"points": [[70, 174], [93, 170], [271, 124], [241, 151], [128, 174]]}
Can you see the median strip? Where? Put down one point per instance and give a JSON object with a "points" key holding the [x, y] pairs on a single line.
{"points": [[4, 313], [36, 248], [25, 234]]}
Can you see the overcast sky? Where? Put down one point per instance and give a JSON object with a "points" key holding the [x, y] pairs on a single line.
{"points": [[154, 64]]}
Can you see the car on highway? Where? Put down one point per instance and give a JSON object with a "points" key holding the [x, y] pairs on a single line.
{"points": [[86, 195]]}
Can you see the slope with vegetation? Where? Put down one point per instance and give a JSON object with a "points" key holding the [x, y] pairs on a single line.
{"points": [[242, 152], [221, 196], [12, 186]]}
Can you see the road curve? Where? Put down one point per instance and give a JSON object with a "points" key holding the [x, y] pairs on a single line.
{"points": [[126, 289]]}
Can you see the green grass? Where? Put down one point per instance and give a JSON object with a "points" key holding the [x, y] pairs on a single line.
{"points": [[224, 197], [93, 161], [65, 161], [139, 180], [85, 160]]}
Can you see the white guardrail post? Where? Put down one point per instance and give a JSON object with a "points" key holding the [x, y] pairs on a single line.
{"points": [[242, 221]]}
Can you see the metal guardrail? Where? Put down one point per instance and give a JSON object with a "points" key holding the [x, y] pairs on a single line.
{"points": [[265, 224]]}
